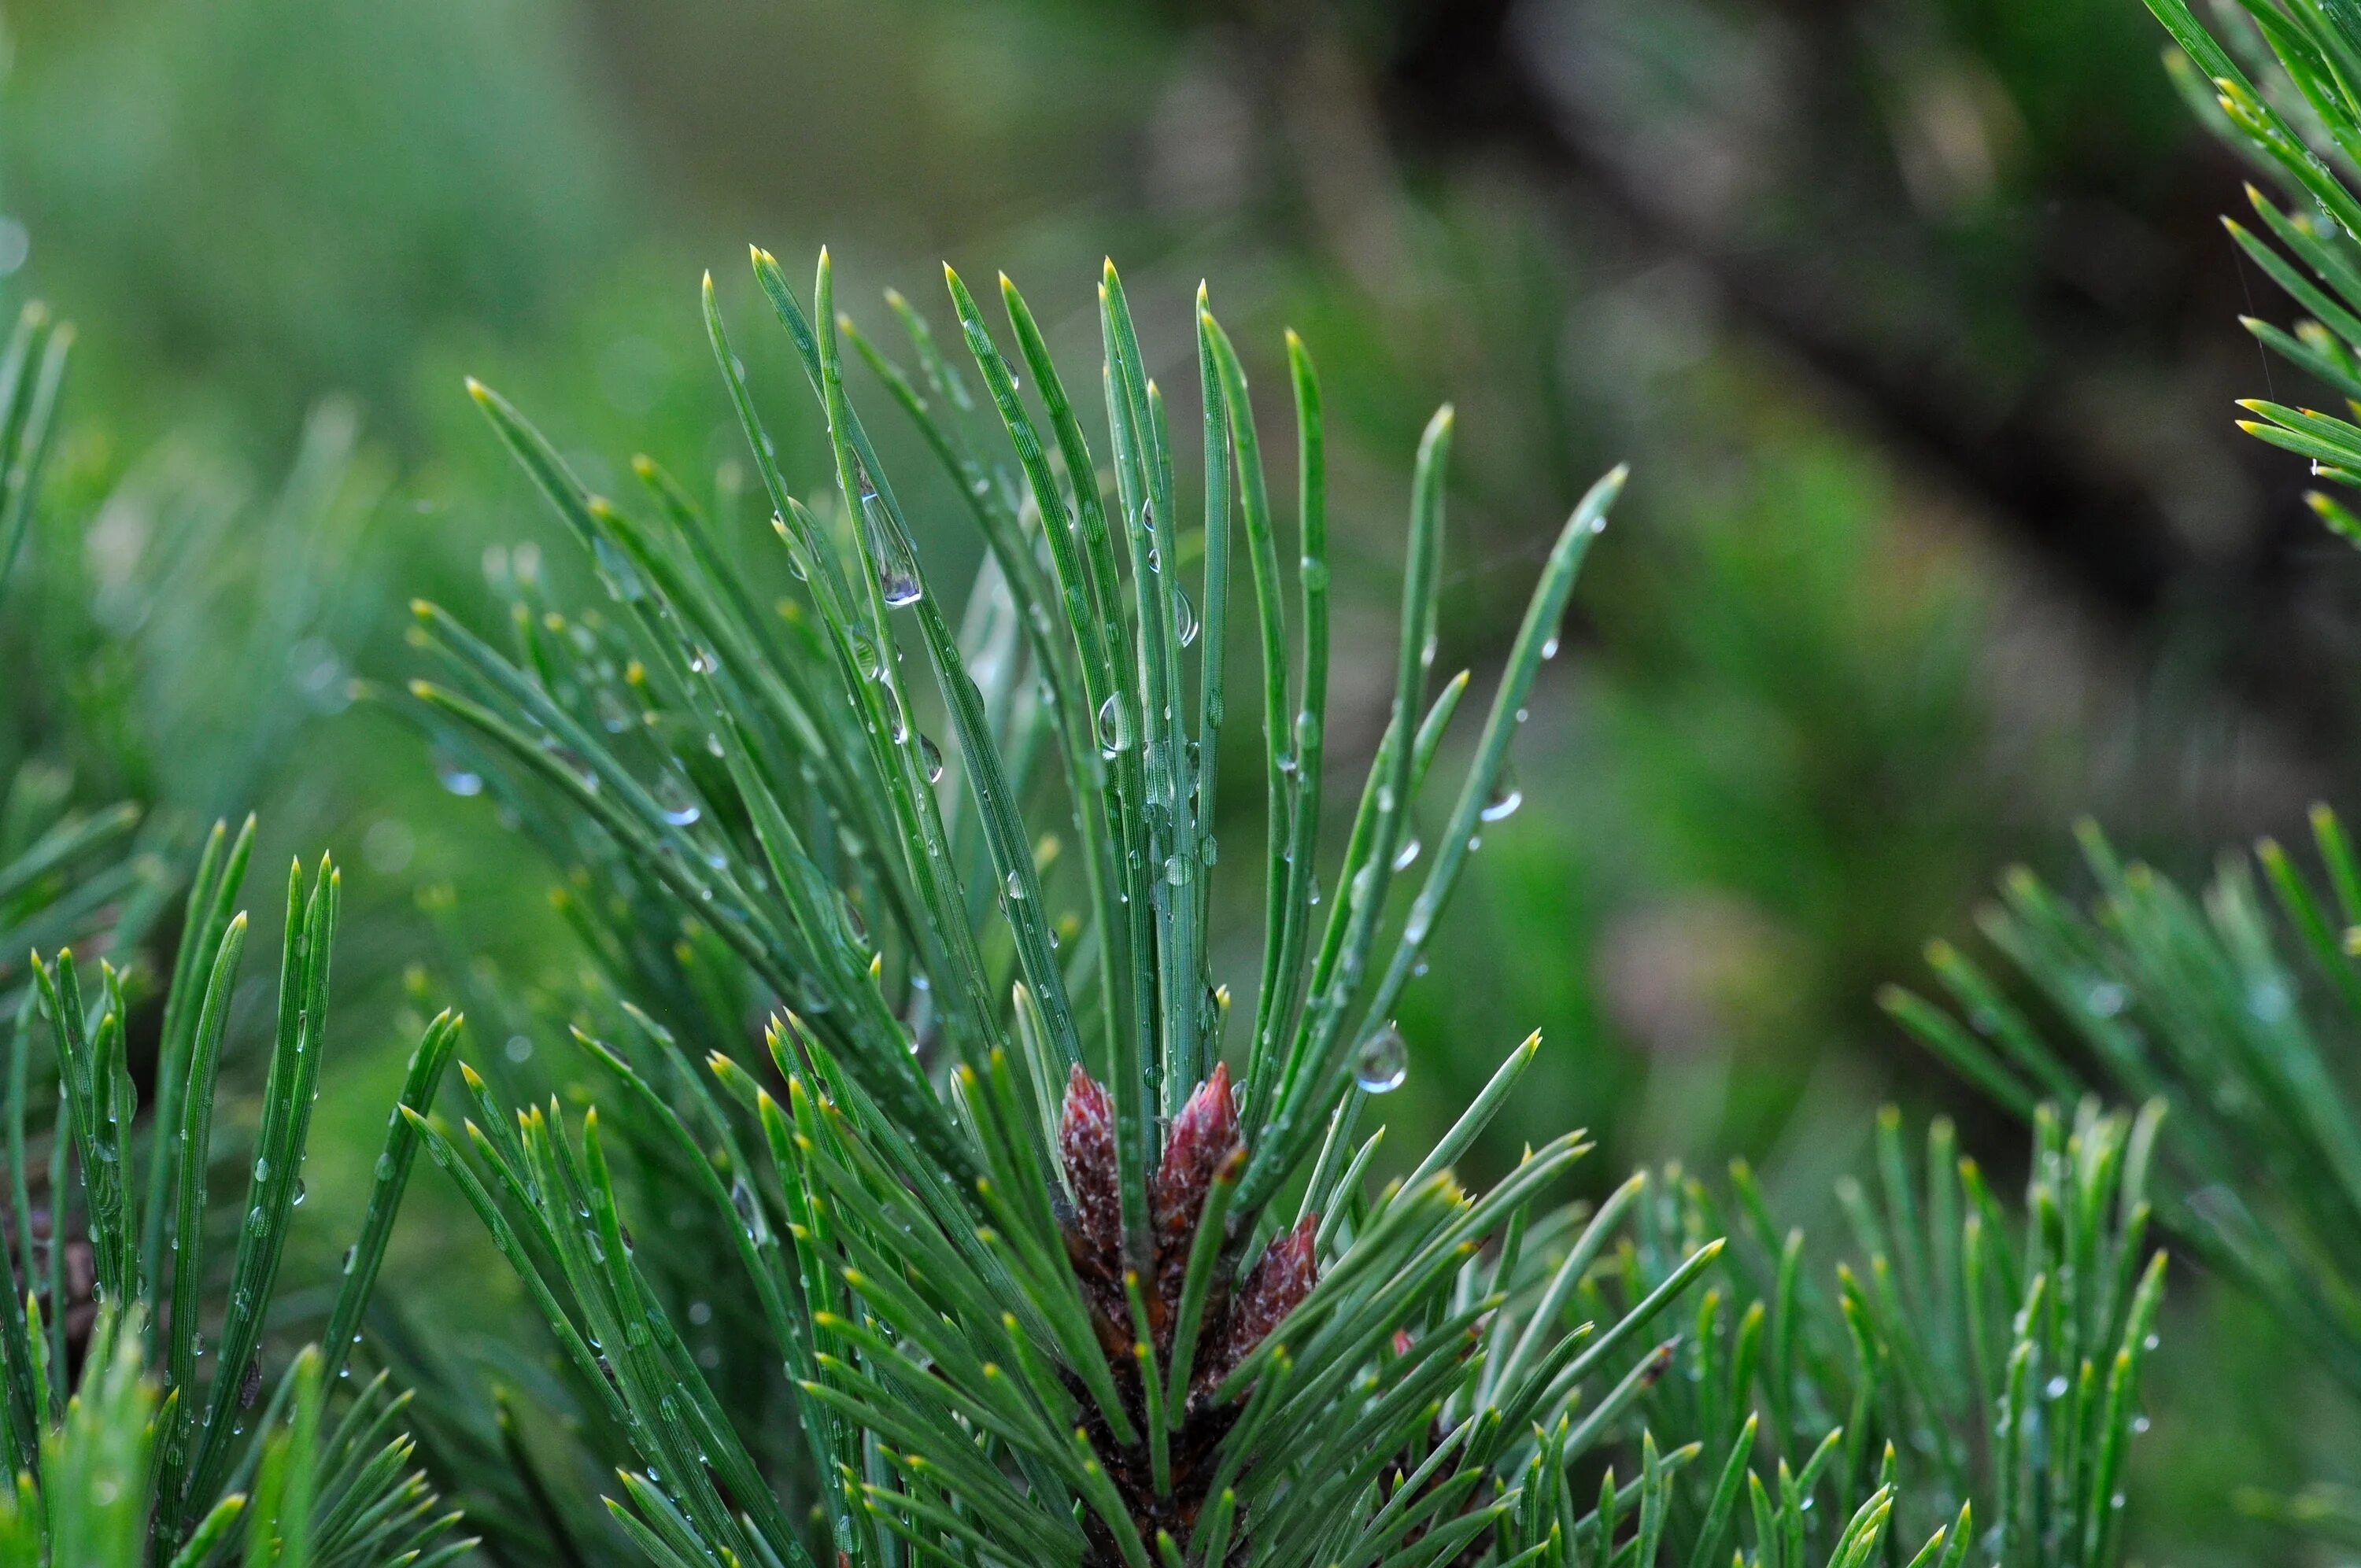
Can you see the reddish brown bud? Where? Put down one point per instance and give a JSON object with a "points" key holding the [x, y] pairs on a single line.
{"points": [[1202, 1137], [1086, 1145], [1281, 1277]]}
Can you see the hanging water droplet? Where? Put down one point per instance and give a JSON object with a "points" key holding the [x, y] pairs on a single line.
{"points": [[1382, 1062], [572, 761], [297, 1198], [1549, 648], [1184, 616], [898, 727], [674, 799], [1407, 855], [1505, 799], [1114, 725], [623, 580], [261, 1168], [898, 568], [931, 757], [351, 1252], [864, 658], [795, 567], [457, 776], [742, 1199], [703, 662]]}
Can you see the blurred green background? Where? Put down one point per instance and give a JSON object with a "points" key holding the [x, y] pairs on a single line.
{"points": [[1912, 315]]}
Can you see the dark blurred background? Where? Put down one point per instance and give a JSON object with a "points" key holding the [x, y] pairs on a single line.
{"points": [[1914, 316]]}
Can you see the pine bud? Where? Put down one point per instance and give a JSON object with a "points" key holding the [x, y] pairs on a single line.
{"points": [[1086, 1144], [1202, 1137], [1281, 1277]]}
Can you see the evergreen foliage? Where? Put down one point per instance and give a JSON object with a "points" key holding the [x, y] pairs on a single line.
{"points": [[1050, 1288], [123, 1453], [2229, 1004], [1986, 1362]]}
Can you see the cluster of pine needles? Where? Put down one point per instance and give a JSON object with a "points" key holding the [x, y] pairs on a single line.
{"points": [[923, 1169]]}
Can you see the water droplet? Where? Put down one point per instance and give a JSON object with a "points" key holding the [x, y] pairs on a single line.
{"points": [[299, 1194], [1405, 857], [351, 1254], [1176, 869], [623, 580], [1114, 725], [932, 757], [702, 662], [1505, 799], [864, 657], [2056, 1387], [1015, 886], [675, 799], [385, 1167], [457, 776], [262, 1169], [897, 567], [572, 761], [2105, 999], [1549, 648], [1381, 1062], [1184, 616], [898, 727]]}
